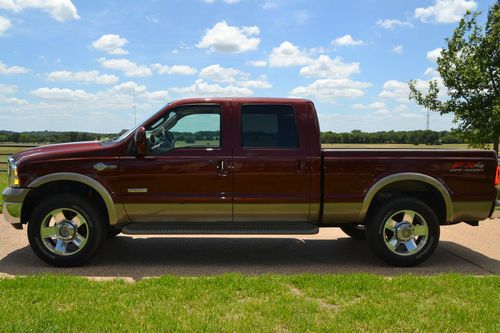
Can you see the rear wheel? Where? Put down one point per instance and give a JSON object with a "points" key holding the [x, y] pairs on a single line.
{"points": [[66, 230], [404, 232], [355, 231]]}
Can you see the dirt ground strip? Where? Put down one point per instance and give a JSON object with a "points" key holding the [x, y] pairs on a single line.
{"points": [[463, 249]]}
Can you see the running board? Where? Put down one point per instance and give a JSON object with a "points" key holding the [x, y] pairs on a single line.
{"points": [[220, 228]]}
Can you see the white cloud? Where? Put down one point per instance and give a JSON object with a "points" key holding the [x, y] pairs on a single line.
{"points": [[202, 88], [399, 91], [112, 44], [61, 94], [329, 90], [258, 63], [174, 70], [382, 112], [128, 87], [60, 10], [347, 40], [393, 23], [15, 101], [86, 77], [434, 54], [286, 55], [4, 69], [231, 39], [325, 67], [397, 49], [128, 67], [432, 72], [7, 89], [233, 76], [374, 105], [445, 11], [269, 4], [4, 25], [394, 89]]}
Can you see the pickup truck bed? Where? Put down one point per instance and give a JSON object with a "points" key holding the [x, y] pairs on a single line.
{"points": [[455, 181]]}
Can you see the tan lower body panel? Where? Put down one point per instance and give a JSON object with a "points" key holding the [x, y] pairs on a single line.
{"points": [[292, 212], [471, 210], [180, 212], [341, 212]]}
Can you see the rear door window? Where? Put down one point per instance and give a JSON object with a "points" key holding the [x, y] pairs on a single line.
{"points": [[268, 126]]}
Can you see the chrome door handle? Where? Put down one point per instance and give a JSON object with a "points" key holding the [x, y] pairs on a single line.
{"points": [[102, 166], [222, 168]]}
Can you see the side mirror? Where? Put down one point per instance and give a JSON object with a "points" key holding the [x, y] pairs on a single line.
{"points": [[141, 145]]}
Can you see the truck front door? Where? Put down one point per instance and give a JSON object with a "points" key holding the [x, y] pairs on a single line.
{"points": [[185, 176]]}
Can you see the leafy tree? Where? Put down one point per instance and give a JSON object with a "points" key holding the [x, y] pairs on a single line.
{"points": [[470, 70]]}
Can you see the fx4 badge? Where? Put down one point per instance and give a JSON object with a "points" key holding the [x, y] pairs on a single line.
{"points": [[467, 167]]}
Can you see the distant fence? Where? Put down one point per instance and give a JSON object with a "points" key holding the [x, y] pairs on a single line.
{"points": [[8, 149]]}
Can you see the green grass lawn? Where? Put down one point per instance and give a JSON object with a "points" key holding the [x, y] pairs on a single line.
{"points": [[236, 303]]}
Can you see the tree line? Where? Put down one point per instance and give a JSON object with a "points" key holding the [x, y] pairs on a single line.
{"points": [[356, 136], [51, 136]]}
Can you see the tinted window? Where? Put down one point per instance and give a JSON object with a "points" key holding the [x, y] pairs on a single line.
{"points": [[268, 126]]}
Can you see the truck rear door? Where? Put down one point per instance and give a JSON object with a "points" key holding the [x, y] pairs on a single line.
{"points": [[271, 163]]}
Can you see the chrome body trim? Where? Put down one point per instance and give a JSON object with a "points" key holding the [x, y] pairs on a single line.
{"points": [[103, 166], [137, 190], [13, 198], [402, 177], [113, 209]]}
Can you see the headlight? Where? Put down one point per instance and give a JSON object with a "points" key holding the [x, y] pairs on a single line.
{"points": [[13, 175]]}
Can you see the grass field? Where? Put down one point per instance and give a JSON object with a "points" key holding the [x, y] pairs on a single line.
{"points": [[236, 303]]}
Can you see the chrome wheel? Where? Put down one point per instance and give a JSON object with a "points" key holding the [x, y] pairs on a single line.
{"points": [[405, 232], [64, 231]]}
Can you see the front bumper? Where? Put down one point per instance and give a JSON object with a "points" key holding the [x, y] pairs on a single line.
{"points": [[12, 204]]}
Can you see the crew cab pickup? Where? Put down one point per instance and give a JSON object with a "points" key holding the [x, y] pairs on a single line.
{"points": [[242, 166]]}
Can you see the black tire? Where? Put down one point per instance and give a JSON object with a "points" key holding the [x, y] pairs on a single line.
{"points": [[381, 241], [355, 231], [94, 227], [113, 232]]}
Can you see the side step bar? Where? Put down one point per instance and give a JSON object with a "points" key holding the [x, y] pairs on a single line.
{"points": [[219, 228]]}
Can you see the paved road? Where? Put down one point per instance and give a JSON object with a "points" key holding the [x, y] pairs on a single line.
{"points": [[463, 249]]}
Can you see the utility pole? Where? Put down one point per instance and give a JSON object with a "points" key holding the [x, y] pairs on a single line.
{"points": [[428, 122], [135, 113]]}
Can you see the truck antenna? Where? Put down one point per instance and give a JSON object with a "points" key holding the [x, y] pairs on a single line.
{"points": [[135, 113]]}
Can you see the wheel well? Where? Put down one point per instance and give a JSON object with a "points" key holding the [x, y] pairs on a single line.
{"points": [[61, 186], [411, 188]]}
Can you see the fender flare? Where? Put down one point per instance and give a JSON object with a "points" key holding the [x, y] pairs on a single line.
{"points": [[380, 184], [86, 180]]}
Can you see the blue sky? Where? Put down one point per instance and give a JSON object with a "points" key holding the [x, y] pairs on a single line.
{"points": [[74, 65]]}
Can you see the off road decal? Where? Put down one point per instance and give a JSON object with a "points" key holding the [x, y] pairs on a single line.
{"points": [[467, 167]]}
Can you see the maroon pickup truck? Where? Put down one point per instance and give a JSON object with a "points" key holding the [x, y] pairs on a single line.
{"points": [[242, 166]]}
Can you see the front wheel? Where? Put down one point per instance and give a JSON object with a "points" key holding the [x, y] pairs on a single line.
{"points": [[403, 232], [66, 230]]}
